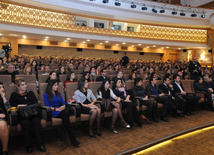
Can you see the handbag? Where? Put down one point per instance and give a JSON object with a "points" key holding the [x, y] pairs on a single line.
{"points": [[29, 111]]}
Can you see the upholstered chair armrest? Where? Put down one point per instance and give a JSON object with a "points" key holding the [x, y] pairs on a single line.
{"points": [[13, 118], [77, 108], [47, 113]]}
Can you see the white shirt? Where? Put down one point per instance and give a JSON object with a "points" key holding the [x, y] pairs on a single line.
{"points": [[179, 86], [168, 88]]}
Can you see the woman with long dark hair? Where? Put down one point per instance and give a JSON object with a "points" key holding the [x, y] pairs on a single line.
{"points": [[86, 76], [105, 93], [71, 77], [86, 99], [52, 76], [132, 113], [4, 121], [54, 100]]}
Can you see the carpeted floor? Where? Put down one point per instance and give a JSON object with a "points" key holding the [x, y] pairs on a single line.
{"points": [[197, 143], [111, 143]]}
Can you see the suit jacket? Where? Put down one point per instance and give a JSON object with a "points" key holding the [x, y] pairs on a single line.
{"points": [[100, 78], [150, 90], [176, 88], [166, 89], [200, 87]]}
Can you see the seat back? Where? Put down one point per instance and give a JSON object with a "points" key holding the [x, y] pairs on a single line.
{"points": [[187, 84], [6, 80], [42, 90], [159, 82], [129, 84], [145, 83], [42, 78], [62, 78], [126, 76], [40, 72], [70, 89], [28, 78], [94, 86], [78, 76]]}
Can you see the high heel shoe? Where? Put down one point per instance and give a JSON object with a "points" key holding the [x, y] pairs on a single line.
{"points": [[113, 129], [125, 124]]}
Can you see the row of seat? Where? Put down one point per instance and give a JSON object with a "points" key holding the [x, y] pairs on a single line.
{"points": [[47, 121]]}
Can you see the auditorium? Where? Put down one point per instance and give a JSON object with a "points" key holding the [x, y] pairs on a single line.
{"points": [[102, 77]]}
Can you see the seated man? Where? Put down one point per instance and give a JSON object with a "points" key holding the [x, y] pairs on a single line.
{"points": [[160, 97], [46, 70], [191, 101], [167, 88], [103, 76], [120, 76], [10, 71]]}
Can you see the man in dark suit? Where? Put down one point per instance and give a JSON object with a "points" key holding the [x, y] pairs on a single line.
{"points": [[125, 59], [167, 88], [103, 76], [160, 97], [191, 101], [119, 76], [10, 71], [194, 68]]}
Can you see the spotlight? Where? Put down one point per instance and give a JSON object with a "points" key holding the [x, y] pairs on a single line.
{"points": [[162, 11], [203, 16], [105, 1], [144, 7], [174, 12], [117, 3], [133, 5], [182, 13], [154, 10], [193, 14]]}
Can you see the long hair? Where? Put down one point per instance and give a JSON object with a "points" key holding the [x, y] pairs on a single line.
{"points": [[69, 76], [115, 83], [59, 70], [81, 84], [102, 87], [84, 74], [49, 78], [49, 89]]}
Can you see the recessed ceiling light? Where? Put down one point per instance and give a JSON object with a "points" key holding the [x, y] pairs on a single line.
{"points": [[88, 40], [117, 44], [24, 37], [107, 41], [68, 38], [162, 47], [83, 42], [132, 45], [154, 46], [0, 34], [65, 40], [179, 48], [101, 43], [139, 44], [123, 43], [147, 46], [46, 37], [167, 47]]}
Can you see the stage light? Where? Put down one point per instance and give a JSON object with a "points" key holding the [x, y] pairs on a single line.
{"points": [[203, 16], [154, 10], [105, 1], [193, 14], [117, 3], [162, 11], [182, 14], [144, 7], [133, 5], [174, 12]]}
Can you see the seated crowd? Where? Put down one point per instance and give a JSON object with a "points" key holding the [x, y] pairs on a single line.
{"points": [[163, 89]]}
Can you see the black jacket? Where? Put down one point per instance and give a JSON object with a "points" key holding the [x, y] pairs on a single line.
{"points": [[150, 90], [166, 89], [100, 78], [176, 88]]}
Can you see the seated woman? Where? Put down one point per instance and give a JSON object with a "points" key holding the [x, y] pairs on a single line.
{"points": [[23, 97], [71, 77], [105, 93], [60, 71], [132, 76], [86, 76], [52, 76], [4, 128], [132, 113], [139, 91], [54, 100], [27, 70], [198, 86], [86, 99]]}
